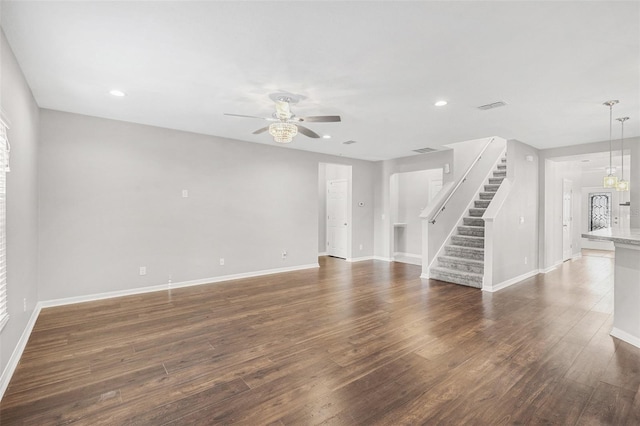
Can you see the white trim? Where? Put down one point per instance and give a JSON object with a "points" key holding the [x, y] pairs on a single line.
{"points": [[359, 259], [626, 337], [576, 256], [550, 268], [324, 253], [512, 281], [384, 259], [17, 352], [162, 287], [626, 246], [411, 258], [425, 275]]}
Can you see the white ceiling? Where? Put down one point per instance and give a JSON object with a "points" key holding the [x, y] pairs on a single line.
{"points": [[380, 65]]}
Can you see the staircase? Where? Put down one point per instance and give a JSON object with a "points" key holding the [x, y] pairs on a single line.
{"points": [[463, 260]]}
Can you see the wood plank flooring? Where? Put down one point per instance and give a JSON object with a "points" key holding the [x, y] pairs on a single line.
{"points": [[349, 343]]}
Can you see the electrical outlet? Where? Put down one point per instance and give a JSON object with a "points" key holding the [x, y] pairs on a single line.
{"points": [[284, 254], [24, 304], [360, 246], [222, 261], [143, 270], [170, 279], [525, 260], [185, 193]]}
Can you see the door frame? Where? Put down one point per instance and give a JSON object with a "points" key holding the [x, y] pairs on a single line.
{"points": [[347, 215], [325, 175], [567, 252]]}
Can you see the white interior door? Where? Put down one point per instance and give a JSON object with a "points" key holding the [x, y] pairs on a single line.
{"points": [[337, 212], [567, 195]]}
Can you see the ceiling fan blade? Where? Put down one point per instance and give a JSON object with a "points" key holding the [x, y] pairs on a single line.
{"points": [[308, 132], [264, 129], [250, 116], [321, 119]]}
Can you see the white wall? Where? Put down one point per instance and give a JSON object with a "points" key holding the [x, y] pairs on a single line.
{"points": [[515, 227], [110, 202], [22, 203]]}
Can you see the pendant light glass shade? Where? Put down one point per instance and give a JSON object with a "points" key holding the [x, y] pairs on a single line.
{"points": [[622, 185], [610, 181]]}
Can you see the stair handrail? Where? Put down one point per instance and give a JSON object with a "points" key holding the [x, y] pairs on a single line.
{"points": [[460, 182]]}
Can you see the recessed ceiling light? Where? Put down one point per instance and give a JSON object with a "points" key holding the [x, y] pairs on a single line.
{"points": [[440, 103], [118, 93], [326, 136]]}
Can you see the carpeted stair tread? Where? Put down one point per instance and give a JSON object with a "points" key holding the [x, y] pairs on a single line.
{"points": [[464, 252], [472, 221], [461, 264], [467, 241], [487, 195], [476, 231], [477, 211], [449, 275]]}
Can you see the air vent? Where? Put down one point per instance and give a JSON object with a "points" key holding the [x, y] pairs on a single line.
{"points": [[424, 150], [492, 106], [348, 142]]}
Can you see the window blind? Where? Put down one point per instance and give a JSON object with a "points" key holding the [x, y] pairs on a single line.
{"points": [[4, 168]]}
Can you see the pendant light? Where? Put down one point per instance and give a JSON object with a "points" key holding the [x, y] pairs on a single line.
{"points": [[610, 181], [622, 185]]}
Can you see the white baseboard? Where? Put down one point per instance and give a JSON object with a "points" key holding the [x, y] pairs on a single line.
{"points": [[359, 259], [324, 253], [424, 275], [17, 352], [22, 343], [411, 258], [626, 337], [162, 287], [576, 255], [550, 268], [384, 259], [510, 282]]}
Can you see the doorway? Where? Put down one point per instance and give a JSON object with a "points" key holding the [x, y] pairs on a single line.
{"points": [[334, 210], [337, 222], [567, 200]]}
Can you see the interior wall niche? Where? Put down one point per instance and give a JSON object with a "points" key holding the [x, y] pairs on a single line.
{"points": [[411, 192]]}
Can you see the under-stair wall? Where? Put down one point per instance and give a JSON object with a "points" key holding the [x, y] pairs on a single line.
{"points": [[435, 235], [511, 222]]}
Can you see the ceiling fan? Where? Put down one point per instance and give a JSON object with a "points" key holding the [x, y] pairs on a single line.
{"points": [[284, 126]]}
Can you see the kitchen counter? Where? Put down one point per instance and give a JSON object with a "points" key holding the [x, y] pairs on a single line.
{"points": [[626, 282]]}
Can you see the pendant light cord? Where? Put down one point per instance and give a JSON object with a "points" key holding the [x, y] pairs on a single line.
{"points": [[610, 145]]}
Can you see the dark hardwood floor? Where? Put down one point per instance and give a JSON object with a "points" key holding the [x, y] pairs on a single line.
{"points": [[362, 343]]}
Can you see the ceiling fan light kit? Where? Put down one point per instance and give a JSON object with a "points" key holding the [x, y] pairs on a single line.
{"points": [[283, 130]]}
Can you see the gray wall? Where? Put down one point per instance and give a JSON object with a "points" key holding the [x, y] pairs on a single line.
{"points": [[110, 202], [22, 200]]}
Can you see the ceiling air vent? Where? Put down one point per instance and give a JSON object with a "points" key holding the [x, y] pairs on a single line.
{"points": [[348, 142], [424, 150], [492, 106]]}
